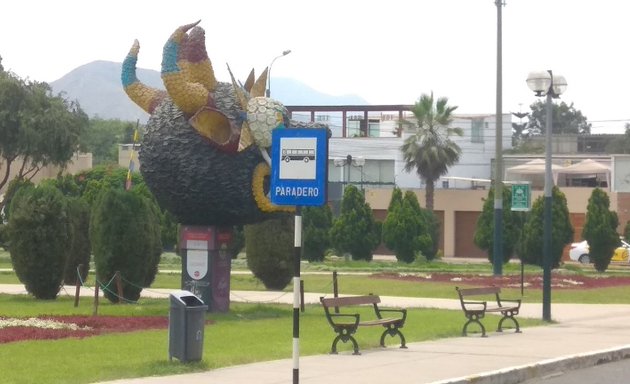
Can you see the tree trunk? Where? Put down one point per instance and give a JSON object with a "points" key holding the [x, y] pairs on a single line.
{"points": [[429, 194]]}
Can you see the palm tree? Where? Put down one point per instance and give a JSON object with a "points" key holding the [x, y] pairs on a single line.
{"points": [[429, 150]]}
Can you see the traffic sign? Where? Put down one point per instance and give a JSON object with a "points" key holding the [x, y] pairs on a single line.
{"points": [[521, 197], [299, 166]]}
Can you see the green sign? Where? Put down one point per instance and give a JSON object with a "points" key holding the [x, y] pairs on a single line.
{"points": [[521, 197]]}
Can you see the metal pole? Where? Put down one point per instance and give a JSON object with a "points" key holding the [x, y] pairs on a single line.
{"points": [[335, 289], [77, 290], [497, 251], [547, 210], [284, 53], [349, 164], [296, 293]]}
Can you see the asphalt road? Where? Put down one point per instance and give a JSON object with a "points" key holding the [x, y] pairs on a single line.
{"points": [[617, 372]]}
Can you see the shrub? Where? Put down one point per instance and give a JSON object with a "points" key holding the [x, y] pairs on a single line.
{"points": [[80, 248], [124, 238], [153, 232], [238, 241], [14, 186], [530, 247], [79, 216], [4, 236], [396, 199], [316, 223], [270, 248], [600, 229], [355, 230], [433, 227], [40, 235], [402, 228], [429, 227], [104, 177], [512, 225]]}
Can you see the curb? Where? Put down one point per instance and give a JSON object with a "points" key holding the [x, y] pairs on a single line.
{"points": [[520, 374]]}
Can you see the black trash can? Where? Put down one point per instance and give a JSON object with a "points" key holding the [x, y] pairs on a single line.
{"points": [[186, 322]]}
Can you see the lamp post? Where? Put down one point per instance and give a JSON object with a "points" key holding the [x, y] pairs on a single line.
{"points": [[497, 249], [545, 83], [284, 53]]}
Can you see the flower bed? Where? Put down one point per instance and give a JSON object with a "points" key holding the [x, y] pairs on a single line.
{"points": [[59, 327], [558, 280]]}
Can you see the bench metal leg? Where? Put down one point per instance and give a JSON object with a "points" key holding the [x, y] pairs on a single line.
{"points": [[393, 331], [476, 321], [506, 317], [345, 337]]}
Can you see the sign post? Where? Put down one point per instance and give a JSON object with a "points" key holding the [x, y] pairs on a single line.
{"points": [[521, 202], [299, 177]]}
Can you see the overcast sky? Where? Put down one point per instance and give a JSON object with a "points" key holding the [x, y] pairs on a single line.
{"points": [[388, 52]]}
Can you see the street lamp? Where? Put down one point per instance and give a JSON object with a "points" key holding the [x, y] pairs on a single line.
{"points": [[284, 53], [497, 250], [351, 161], [545, 83]]}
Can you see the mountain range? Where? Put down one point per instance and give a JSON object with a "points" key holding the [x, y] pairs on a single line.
{"points": [[98, 89]]}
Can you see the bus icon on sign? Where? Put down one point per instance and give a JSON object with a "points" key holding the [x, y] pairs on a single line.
{"points": [[298, 154]]}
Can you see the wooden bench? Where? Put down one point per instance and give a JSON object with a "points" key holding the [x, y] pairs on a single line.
{"points": [[346, 324], [476, 309]]}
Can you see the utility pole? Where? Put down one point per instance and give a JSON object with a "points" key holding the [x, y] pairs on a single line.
{"points": [[497, 251]]}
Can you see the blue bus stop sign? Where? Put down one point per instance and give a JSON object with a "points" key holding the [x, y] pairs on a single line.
{"points": [[299, 166]]}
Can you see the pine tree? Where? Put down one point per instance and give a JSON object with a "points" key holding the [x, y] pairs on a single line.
{"points": [[405, 230], [429, 229], [124, 229], [316, 223], [80, 249], [512, 226], [355, 231], [600, 229], [40, 236], [530, 247]]}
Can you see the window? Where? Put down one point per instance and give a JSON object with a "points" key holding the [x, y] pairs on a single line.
{"points": [[476, 132]]}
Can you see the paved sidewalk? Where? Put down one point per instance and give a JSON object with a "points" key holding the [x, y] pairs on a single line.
{"points": [[584, 336]]}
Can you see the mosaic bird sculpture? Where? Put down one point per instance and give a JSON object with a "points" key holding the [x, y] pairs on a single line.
{"points": [[204, 154]]}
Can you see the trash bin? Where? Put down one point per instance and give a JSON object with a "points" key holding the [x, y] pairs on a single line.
{"points": [[186, 322]]}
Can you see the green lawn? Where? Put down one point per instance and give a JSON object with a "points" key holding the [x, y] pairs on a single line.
{"points": [[264, 330], [361, 284], [5, 259]]}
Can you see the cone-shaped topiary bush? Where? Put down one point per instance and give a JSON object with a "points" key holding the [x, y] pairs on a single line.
{"points": [[270, 248], [316, 225], [530, 247], [124, 230], [355, 231], [40, 235], [80, 249], [600, 229]]}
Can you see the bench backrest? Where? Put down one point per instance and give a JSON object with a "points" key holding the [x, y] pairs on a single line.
{"points": [[345, 301], [478, 291]]}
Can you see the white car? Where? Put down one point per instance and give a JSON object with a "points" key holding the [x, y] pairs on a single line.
{"points": [[579, 252]]}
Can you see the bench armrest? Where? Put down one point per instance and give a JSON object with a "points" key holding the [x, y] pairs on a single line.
{"points": [[516, 301], [402, 311], [474, 305], [333, 316]]}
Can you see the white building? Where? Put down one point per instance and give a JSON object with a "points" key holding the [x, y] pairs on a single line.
{"points": [[369, 136]]}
